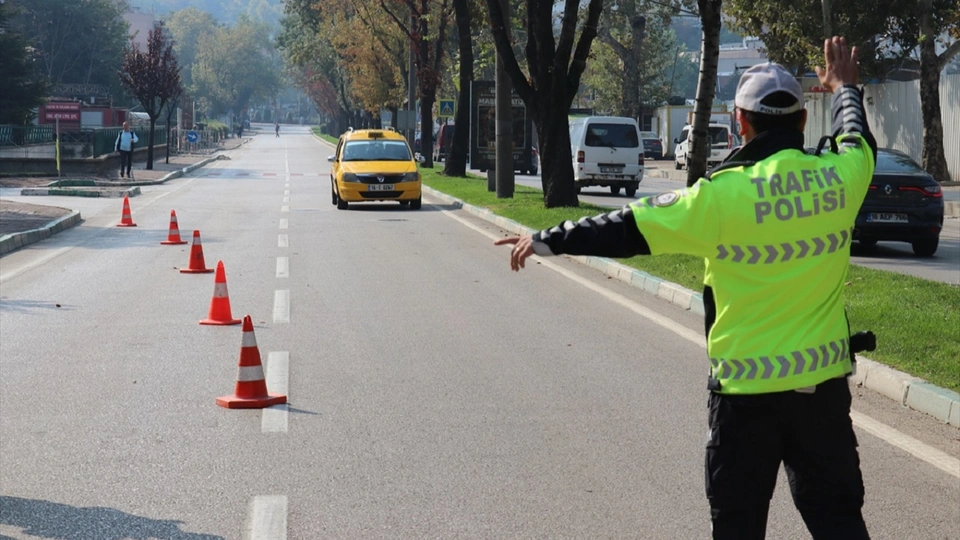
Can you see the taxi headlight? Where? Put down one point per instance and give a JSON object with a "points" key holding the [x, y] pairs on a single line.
{"points": [[411, 177], [349, 177]]}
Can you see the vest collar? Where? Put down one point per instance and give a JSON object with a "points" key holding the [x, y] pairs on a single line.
{"points": [[767, 144]]}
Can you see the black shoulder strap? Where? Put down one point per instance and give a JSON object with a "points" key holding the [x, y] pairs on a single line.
{"points": [[823, 141], [727, 165]]}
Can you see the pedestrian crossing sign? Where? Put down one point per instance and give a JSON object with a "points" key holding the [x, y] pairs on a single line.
{"points": [[446, 108]]}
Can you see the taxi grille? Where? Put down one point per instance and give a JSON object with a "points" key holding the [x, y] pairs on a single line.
{"points": [[387, 179]]}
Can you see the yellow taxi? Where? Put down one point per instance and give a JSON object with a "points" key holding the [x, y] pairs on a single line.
{"points": [[374, 165]]}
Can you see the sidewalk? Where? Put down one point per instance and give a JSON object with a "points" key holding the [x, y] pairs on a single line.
{"points": [[22, 224]]}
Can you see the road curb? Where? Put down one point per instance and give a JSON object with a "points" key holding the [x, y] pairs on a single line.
{"points": [[15, 241], [909, 391], [83, 191]]}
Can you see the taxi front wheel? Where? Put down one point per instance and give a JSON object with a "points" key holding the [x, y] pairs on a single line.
{"points": [[342, 204], [416, 203]]}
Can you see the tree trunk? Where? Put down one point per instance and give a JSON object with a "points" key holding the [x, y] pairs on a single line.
{"points": [[556, 159], [934, 160], [153, 123], [631, 72], [706, 89], [456, 160]]}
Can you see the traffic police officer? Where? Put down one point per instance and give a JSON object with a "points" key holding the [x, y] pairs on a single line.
{"points": [[773, 224]]}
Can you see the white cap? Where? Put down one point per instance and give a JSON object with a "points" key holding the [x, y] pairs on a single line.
{"points": [[762, 80]]}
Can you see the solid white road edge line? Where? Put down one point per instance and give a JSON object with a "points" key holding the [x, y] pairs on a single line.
{"points": [[281, 306], [57, 252], [267, 518], [283, 267], [275, 418], [878, 429]]}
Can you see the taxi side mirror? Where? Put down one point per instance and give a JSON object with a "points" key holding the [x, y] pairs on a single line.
{"points": [[331, 159]]}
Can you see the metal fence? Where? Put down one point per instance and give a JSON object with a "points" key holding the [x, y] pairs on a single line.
{"points": [[105, 140], [24, 135], [893, 111], [206, 141]]}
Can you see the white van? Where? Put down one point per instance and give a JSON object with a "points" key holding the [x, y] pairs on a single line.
{"points": [[722, 142], [607, 152]]}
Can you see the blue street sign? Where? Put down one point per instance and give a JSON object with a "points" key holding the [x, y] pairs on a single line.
{"points": [[193, 136], [446, 108]]}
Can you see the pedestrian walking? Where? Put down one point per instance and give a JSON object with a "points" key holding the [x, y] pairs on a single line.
{"points": [[773, 224], [276, 127], [126, 140]]}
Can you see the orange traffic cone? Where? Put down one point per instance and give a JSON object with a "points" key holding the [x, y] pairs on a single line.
{"points": [[126, 220], [251, 389], [173, 236], [220, 305], [197, 264]]}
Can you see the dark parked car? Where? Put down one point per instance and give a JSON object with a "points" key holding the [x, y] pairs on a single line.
{"points": [[652, 146], [904, 204]]}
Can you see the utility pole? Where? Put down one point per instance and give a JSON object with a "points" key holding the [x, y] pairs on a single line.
{"points": [[504, 151], [827, 19]]}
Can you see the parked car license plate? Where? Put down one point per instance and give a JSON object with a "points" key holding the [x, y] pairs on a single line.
{"points": [[614, 170], [887, 217], [380, 187]]}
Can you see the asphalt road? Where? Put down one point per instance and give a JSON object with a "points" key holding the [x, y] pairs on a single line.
{"points": [[892, 256], [433, 393]]}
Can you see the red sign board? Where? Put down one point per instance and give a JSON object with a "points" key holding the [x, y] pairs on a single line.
{"points": [[63, 107]]}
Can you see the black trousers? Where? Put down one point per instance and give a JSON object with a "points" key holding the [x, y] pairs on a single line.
{"points": [[812, 434], [126, 160]]}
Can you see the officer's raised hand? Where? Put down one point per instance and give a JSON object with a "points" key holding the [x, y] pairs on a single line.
{"points": [[841, 64]]}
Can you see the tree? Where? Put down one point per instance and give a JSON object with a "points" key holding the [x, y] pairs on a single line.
{"points": [[23, 88], [456, 160], [428, 45], [706, 88], [555, 68], [152, 76], [75, 42], [932, 19], [235, 65], [187, 26], [886, 33]]}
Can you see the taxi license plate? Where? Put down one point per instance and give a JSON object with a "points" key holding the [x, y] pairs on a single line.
{"points": [[887, 218], [614, 170], [380, 187]]}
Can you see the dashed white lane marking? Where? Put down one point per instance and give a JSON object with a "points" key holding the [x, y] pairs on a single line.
{"points": [[281, 306], [286, 192], [275, 418], [286, 199], [935, 457], [283, 241], [267, 518], [878, 429], [283, 267], [284, 208], [284, 224]]}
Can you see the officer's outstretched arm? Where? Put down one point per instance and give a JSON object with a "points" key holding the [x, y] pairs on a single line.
{"points": [[614, 234]]}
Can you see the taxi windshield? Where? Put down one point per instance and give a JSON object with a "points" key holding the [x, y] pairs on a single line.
{"points": [[376, 151]]}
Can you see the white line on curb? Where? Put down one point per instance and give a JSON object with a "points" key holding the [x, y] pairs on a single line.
{"points": [[283, 267], [874, 427], [275, 418], [283, 241], [281, 306], [268, 518]]}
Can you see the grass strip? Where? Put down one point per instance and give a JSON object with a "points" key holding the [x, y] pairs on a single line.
{"points": [[329, 138], [917, 321]]}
